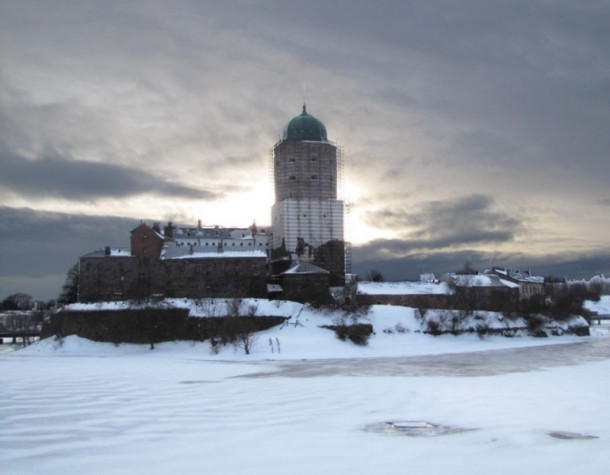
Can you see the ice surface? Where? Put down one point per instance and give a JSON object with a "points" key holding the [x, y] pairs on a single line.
{"points": [[82, 407]]}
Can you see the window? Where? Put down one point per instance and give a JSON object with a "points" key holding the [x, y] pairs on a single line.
{"points": [[314, 177], [292, 178]]}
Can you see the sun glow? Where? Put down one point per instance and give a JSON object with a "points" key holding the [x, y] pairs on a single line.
{"points": [[236, 209]]}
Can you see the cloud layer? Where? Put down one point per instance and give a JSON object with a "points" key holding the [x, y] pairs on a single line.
{"points": [[467, 220], [466, 126], [58, 177]]}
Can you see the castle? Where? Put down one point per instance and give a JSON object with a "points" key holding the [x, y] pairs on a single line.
{"points": [[299, 257]]}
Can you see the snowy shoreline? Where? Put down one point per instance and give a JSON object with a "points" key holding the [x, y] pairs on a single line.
{"points": [[398, 331]]}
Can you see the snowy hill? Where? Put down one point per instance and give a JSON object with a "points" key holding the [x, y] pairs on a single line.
{"points": [[397, 331]]}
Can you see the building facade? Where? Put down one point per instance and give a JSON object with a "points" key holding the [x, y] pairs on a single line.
{"points": [[114, 274]]}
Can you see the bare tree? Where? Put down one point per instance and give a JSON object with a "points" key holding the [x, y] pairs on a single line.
{"points": [[69, 291], [246, 339], [18, 301], [374, 276]]}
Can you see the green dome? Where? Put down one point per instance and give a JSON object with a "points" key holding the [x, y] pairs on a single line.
{"points": [[304, 127]]}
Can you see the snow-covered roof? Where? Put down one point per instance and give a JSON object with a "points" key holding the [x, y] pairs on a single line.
{"points": [[305, 267], [112, 252], [203, 233], [185, 253], [518, 275], [476, 280], [216, 232], [402, 288]]}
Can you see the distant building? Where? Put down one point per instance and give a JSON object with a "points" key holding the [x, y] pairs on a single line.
{"points": [[146, 242], [202, 237], [427, 277], [305, 282], [529, 285], [482, 291]]}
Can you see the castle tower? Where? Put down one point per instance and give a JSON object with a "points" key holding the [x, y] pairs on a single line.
{"points": [[307, 217]]}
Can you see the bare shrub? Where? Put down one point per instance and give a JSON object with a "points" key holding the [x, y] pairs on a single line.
{"points": [[421, 313], [252, 309], [234, 307], [433, 327], [358, 333]]}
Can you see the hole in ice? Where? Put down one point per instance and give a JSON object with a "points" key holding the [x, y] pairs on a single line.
{"points": [[561, 434], [413, 428]]}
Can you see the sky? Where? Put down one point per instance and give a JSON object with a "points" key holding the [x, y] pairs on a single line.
{"points": [[471, 131]]}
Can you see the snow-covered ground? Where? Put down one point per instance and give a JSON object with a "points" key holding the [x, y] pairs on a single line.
{"points": [[602, 307], [403, 288], [305, 402]]}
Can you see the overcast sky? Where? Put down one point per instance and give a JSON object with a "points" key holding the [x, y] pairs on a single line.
{"points": [[471, 130]]}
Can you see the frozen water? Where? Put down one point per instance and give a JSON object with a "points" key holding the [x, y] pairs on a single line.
{"points": [[98, 409]]}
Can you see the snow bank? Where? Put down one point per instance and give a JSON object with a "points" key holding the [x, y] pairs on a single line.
{"points": [[398, 331], [403, 288], [600, 308]]}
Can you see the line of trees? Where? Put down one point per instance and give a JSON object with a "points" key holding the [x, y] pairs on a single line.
{"points": [[25, 302], [68, 294]]}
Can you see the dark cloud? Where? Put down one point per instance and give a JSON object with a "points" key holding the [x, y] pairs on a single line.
{"points": [[58, 177], [410, 267], [38, 247], [40, 243], [446, 223]]}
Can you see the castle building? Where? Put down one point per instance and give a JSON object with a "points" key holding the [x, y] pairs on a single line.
{"points": [[307, 216], [152, 269], [299, 257]]}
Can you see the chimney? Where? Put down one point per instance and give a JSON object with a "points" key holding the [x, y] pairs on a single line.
{"points": [[199, 224], [107, 251], [169, 230]]}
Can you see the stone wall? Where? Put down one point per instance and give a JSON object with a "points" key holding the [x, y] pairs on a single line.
{"points": [[311, 288], [111, 278], [465, 298], [331, 257], [151, 325]]}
